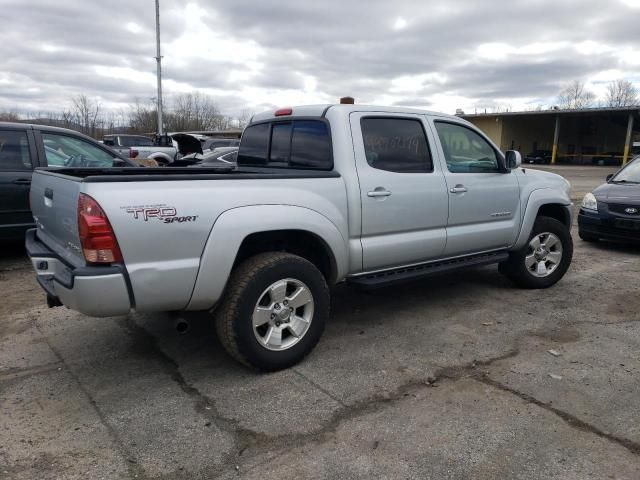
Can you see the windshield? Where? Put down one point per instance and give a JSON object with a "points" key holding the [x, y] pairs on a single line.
{"points": [[629, 174]]}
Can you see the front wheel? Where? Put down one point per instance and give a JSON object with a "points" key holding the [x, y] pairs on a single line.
{"points": [[273, 312], [546, 257]]}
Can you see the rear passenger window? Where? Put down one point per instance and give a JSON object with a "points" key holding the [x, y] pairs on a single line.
{"points": [[292, 144], [14, 151], [396, 145]]}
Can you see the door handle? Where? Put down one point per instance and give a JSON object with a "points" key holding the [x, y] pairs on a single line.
{"points": [[458, 189], [22, 181], [379, 192]]}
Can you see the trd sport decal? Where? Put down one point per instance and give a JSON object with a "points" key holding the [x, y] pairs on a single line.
{"points": [[163, 213]]}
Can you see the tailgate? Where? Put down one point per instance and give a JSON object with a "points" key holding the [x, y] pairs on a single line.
{"points": [[54, 204]]}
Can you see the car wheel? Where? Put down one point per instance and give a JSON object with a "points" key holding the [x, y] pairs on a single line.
{"points": [[544, 259], [273, 312]]}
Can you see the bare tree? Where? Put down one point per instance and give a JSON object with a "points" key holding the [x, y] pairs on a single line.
{"points": [[143, 117], [9, 116], [185, 112], [575, 95], [194, 111], [621, 93], [245, 117], [86, 113]]}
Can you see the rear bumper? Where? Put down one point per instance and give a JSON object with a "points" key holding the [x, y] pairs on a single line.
{"points": [[602, 226], [96, 291]]}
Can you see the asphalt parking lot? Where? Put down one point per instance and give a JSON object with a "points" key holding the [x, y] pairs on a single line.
{"points": [[446, 378]]}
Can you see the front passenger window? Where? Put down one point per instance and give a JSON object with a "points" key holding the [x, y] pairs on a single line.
{"points": [[465, 151]]}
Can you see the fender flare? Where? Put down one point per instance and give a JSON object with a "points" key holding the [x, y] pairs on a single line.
{"points": [[161, 156], [537, 199], [233, 226]]}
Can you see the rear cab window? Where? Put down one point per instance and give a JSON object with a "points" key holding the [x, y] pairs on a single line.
{"points": [[136, 142], [300, 144]]}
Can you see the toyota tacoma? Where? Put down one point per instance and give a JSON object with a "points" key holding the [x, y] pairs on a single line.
{"points": [[365, 195]]}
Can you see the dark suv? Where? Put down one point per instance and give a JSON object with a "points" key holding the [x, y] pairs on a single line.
{"points": [[24, 147]]}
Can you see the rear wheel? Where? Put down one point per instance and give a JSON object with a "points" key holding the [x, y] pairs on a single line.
{"points": [[546, 257], [274, 311]]}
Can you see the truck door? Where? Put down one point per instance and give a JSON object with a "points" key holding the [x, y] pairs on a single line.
{"points": [[402, 193], [484, 203], [16, 148]]}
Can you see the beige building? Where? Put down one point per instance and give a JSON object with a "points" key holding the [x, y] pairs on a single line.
{"points": [[587, 136]]}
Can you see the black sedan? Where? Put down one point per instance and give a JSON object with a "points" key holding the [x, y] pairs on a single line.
{"points": [[538, 156], [612, 211]]}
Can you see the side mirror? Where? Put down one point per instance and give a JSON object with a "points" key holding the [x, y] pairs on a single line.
{"points": [[513, 159], [609, 177]]}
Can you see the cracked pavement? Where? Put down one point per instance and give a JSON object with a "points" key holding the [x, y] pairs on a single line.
{"points": [[129, 398]]}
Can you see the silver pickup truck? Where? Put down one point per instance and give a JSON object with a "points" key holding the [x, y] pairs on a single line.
{"points": [[164, 150], [322, 194]]}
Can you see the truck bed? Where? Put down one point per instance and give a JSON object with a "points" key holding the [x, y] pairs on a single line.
{"points": [[142, 174], [166, 231]]}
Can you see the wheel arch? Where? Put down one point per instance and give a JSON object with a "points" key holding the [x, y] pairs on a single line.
{"points": [[544, 202], [161, 156], [242, 232], [557, 211], [303, 243]]}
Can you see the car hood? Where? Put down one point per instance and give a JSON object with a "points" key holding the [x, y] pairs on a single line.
{"points": [[618, 193], [187, 144], [547, 179]]}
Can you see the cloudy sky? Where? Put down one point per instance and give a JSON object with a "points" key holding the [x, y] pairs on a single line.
{"points": [[255, 54]]}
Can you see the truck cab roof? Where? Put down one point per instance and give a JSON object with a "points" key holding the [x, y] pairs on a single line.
{"points": [[322, 110]]}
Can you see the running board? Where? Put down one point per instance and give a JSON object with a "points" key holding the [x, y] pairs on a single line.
{"points": [[414, 272]]}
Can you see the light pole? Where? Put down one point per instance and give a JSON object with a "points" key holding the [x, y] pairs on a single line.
{"points": [[159, 69]]}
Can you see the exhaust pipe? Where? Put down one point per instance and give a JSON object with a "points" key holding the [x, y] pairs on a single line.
{"points": [[53, 301], [181, 325]]}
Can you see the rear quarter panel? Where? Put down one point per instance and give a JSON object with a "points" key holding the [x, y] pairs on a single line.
{"points": [[163, 227]]}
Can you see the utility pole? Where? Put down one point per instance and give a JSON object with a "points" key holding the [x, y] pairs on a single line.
{"points": [[628, 139], [159, 69]]}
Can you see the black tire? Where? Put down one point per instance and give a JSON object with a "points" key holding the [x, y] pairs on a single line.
{"points": [[515, 267], [233, 316], [586, 237]]}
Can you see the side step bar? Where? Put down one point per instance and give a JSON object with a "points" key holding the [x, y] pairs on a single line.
{"points": [[406, 274]]}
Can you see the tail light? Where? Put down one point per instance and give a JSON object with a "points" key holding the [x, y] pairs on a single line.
{"points": [[99, 243], [133, 153]]}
